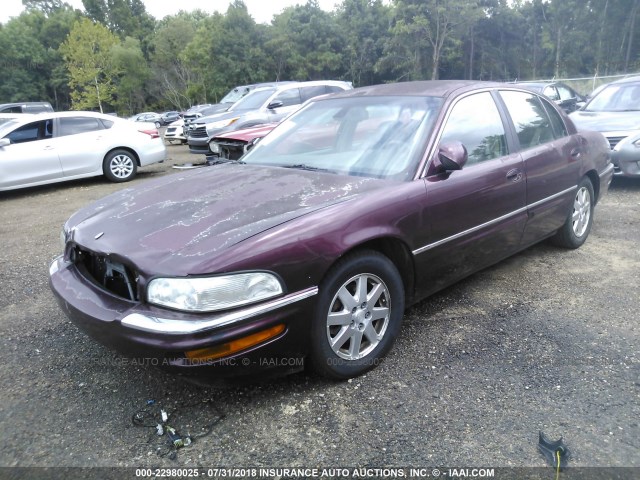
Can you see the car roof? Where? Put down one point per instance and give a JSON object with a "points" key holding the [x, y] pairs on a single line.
{"points": [[628, 80], [265, 84], [537, 85], [20, 104], [311, 83], [426, 88], [26, 118]]}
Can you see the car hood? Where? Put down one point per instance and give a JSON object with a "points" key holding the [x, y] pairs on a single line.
{"points": [[222, 116], [248, 134], [606, 121], [174, 224]]}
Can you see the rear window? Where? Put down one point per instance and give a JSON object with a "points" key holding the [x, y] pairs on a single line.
{"points": [[334, 89], [76, 125]]}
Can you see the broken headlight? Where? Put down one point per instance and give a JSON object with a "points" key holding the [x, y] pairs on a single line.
{"points": [[208, 294]]}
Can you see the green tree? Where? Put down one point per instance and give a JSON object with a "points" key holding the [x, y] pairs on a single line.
{"points": [[51, 21], [178, 79], [126, 18], [313, 41], [424, 29], [134, 73], [23, 74], [364, 25], [46, 6], [88, 54]]}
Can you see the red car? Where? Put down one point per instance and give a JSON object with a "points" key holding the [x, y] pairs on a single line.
{"points": [[312, 245], [234, 145]]}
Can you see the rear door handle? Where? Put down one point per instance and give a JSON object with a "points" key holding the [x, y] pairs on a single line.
{"points": [[48, 147]]}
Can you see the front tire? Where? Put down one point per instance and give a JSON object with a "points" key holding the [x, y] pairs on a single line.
{"points": [[119, 166], [358, 317], [576, 228]]}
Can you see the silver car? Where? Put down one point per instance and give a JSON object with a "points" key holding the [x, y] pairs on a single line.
{"points": [[262, 105], [615, 112], [58, 146]]}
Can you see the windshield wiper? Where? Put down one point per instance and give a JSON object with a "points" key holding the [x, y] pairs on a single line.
{"points": [[302, 166]]}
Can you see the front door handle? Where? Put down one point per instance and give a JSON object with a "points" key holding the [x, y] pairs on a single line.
{"points": [[515, 175]]}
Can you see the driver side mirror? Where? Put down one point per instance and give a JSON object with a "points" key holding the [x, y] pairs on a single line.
{"points": [[275, 104], [4, 142], [451, 156]]}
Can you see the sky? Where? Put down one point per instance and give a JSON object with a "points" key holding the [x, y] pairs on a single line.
{"points": [[261, 10]]}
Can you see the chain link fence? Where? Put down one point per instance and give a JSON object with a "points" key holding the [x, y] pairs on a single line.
{"points": [[586, 85]]}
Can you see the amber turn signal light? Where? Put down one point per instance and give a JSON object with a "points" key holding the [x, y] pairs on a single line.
{"points": [[235, 346]]}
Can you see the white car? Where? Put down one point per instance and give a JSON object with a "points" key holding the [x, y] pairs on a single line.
{"points": [[175, 132], [6, 117], [57, 146]]}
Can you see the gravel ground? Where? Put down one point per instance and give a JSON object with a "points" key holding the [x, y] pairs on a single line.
{"points": [[546, 340]]}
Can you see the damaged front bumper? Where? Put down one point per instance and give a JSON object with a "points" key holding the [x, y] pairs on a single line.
{"points": [[176, 340]]}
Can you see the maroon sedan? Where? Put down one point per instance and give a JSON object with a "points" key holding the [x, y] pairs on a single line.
{"points": [[353, 208]]}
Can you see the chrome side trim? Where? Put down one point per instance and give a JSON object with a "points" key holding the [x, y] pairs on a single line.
{"points": [[172, 326], [491, 222], [467, 232], [552, 197]]}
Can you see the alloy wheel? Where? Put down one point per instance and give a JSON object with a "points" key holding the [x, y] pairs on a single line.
{"points": [[358, 316], [581, 212], [121, 166]]}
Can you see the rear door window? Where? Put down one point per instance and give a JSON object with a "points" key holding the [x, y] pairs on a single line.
{"points": [[289, 97], [310, 92], [530, 118], [559, 128], [75, 125]]}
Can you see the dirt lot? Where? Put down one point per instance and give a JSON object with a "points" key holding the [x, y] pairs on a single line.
{"points": [[547, 340]]}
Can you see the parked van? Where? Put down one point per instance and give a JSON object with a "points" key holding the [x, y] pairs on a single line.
{"points": [[26, 107]]}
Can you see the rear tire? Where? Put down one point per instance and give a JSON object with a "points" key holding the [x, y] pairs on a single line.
{"points": [[358, 317], [576, 228], [119, 166]]}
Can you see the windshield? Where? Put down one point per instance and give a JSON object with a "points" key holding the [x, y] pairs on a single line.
{"points": [[253, 100], [234, 95], [379, 137], [6, 120], [623, 97], [7, 125]]}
